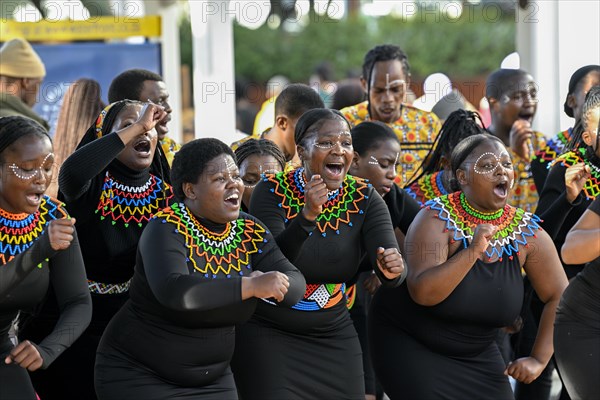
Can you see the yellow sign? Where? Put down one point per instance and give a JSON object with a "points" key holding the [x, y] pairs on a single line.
{"points": [[95, 28]]}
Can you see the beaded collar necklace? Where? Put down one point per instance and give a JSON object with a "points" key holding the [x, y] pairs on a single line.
{"points": [[216, 254], [515, 225], [428, 187], [554, 147], [18, 232], [132, 204], [341, 203]]}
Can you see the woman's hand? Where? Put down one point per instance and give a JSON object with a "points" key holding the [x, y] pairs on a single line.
{"points": [[269, 284], [315, 195], [150, 115], [25, 355], [525, 369], [60, 233], [575, 178], [389, 262], [481, 238]]}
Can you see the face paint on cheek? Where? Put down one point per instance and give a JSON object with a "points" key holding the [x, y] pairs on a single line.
{"points": [[374, 161]]}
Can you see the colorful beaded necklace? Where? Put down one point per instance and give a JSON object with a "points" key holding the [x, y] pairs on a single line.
{"points": [[515, 225], [132, 204], [554, 147], [18, 232], [591, 188], [427, 187], [341, 204], [224, 253]]}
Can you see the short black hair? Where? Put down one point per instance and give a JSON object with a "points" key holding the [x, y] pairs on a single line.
{"points": [[129, 84], [296, 99], [369, 135], [262, 147], [190, 162], [462, 151], [15, 127], [575, 82], [501, 82], [313, 120], [459, 125]]}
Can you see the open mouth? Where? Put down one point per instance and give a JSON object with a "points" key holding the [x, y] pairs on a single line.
{"points": [[143, 146], [233, 200], [334, 169], [34, 199], [526, 115], [501, 190]]}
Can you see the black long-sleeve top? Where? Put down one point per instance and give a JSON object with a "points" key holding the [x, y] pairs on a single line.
{"points": [[557, 214], [29, 267], [112, 204], [354, 221], [186, 287]]}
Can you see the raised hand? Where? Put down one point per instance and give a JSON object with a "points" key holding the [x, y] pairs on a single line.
{"points": [[151, 115], [26, 355], [270, 284], [520, 138], [575, 178], [389, 262], [315, 195], [525, 369], [481, 237], [60, 233]]}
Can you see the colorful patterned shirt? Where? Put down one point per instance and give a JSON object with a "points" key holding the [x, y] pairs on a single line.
{"points": [[524, 193], [169, 147], [416, 130]]}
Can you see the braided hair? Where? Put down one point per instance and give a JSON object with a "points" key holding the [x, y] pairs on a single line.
{"points": [[386, 52], [459, 125], [15, 127], [592, 101], [262, 147]]}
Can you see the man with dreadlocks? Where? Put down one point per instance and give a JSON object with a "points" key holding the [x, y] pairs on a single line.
{"points": [[385, 79], [434, 175]]}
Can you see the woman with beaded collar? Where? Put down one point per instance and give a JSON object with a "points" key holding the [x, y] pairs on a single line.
{"points": [[201, 266], [435, 336], [324, 221], [38, 249], [113, 183]]}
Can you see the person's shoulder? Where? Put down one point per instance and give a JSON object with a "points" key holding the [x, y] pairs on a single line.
{"points": [[52, 208], [357, 113], [424, 117]]}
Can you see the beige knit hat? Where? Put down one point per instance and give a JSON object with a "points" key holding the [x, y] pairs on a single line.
{"points": [[19, 60]]}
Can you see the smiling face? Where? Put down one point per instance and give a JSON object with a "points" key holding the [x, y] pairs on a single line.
{"points": [[518, 101], [486, 176], [156, 92], [138, 153], [251, 170], [378, 165], [27, 167], [387, 91], [328, 152], [217, 194]]}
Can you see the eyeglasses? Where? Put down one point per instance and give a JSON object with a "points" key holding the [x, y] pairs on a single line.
{"points": [[521, 97], [45, 169]]}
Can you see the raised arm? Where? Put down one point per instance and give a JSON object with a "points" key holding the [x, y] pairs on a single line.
{"points": [[548, 278], [432, 276], [582, 244]]}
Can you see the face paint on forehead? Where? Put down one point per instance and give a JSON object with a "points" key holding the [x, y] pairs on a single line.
{"points": [[229, 164], [375, 161], [388, 84]]}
